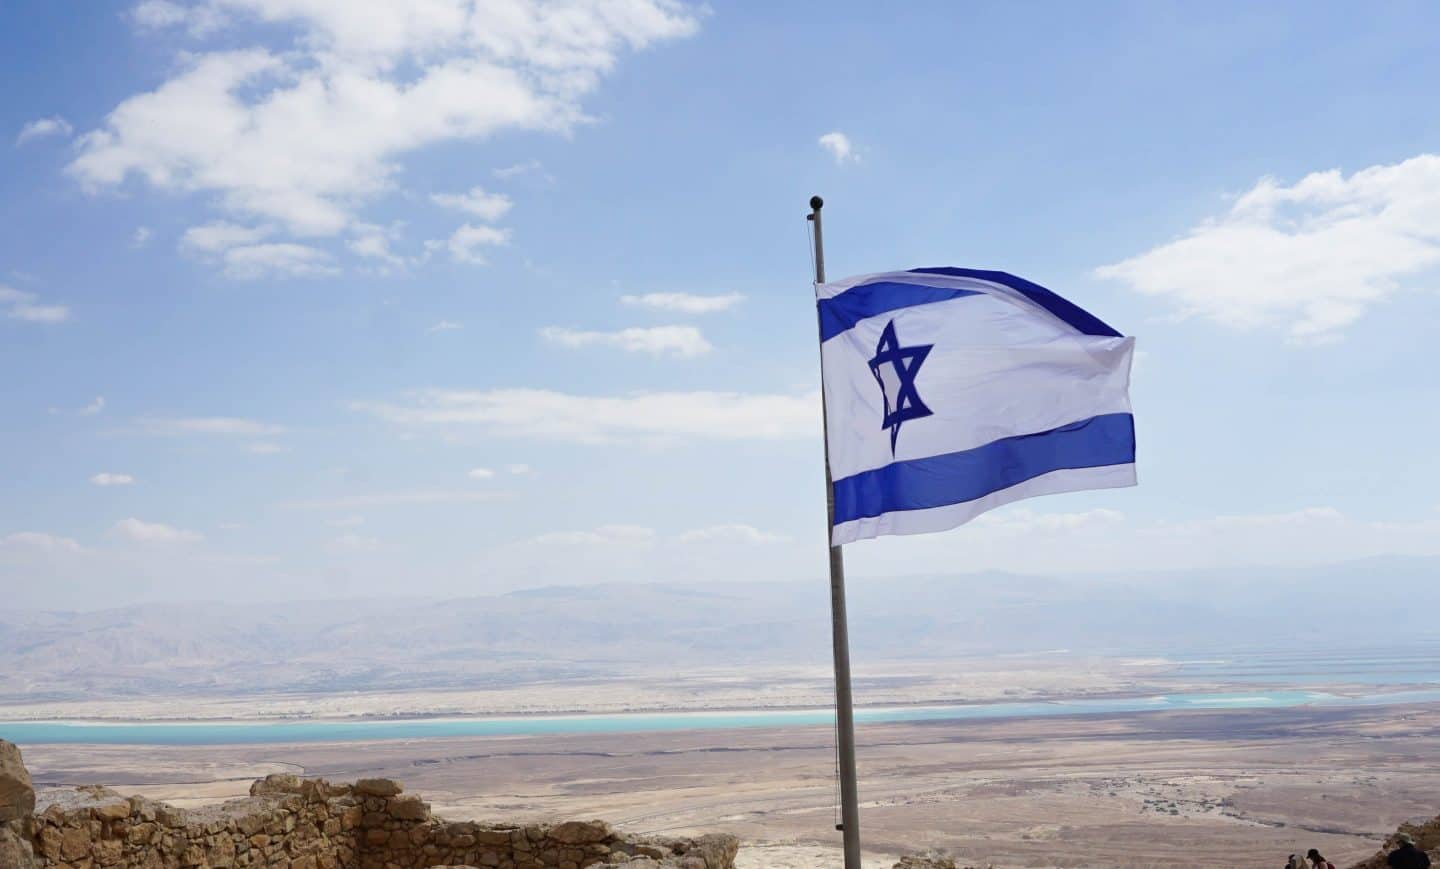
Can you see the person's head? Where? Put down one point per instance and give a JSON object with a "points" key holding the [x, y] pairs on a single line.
{"points": [[1314, 856], [1403, 839]]}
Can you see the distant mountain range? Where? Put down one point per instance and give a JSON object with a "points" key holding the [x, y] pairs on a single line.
{"points": [[565, 632]]}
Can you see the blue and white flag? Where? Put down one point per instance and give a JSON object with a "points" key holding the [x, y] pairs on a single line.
{"points": [[949, 392]]}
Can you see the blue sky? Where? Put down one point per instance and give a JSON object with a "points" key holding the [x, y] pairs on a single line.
{"points": [[304, 299]]}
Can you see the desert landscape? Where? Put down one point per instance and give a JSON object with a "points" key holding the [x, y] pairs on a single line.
{"points": [[1222, 788], [1035, 754]]}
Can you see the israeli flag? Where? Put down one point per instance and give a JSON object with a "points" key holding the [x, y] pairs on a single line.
{"points": [[949, 392]]}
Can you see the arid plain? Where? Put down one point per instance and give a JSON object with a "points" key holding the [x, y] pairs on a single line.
{"points": [[1212, 788]]}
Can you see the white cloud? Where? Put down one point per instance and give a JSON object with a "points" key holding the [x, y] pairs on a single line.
{"points": [[742, 534], [1021, 520], [245, 255], [21, 305], [139, 531], [684, 303], [489, 207], [605, 535], [1102, 541], [480, 474], [445, 326], [838, 144], [684, 341], [561, 416], [518, 469], [528, 167], [281, 259], [266, 448], [105, 478], [390, 499], [39, 129], [346, 522], [206, 425], [142, 236], [198, 20], [221, 235], [38, 541], [39, 313], [1308, 258], [307, 133], [354, 543], [94, 407], [464, 244], [373, 242]]}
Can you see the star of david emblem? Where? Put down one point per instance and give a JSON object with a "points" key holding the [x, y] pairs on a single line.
{"points": [[895, 368]]}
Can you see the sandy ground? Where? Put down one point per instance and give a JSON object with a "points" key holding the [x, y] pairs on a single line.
{"points": [[1213, 788]]}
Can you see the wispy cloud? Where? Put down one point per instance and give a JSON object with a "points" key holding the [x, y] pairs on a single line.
{"points": [[138, 531], [38, 541], [562, 416], [205, 425], [605, 535], [839, 147], [281, 259], [445, 326], [466, 243], [528, 167], [684, 303], [43, 127], [391, 499], [489, 207], [105, 478], [93, 408], [20, 305], [731, 534], [683, 341]]}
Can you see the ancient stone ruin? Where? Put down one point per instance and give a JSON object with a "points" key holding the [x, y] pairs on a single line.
{"points": [[293, 823]]}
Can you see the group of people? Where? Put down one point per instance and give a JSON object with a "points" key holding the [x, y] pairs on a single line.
{"points": [[1405, 856]]}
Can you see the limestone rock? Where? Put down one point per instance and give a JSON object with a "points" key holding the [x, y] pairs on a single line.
{"points": [[409, 808], [378, 787], [17, 795], [581, 832], [276, 783], [15, 851], [714, 851]]}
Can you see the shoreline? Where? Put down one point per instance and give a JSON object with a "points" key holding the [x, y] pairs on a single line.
{"points": [[1214, 692], [251, 732]]}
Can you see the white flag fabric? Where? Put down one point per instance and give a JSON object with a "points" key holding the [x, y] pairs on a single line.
{"points": [[950, 391]]}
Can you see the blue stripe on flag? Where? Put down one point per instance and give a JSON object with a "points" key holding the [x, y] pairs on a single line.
{"points": [[842, 311], [1079, 318], [954, 478]]}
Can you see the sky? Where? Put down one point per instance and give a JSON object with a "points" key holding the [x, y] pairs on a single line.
{"points": [[328, 298]]}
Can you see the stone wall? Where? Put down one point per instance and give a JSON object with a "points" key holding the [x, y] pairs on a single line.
{"points": [[293, 823]]}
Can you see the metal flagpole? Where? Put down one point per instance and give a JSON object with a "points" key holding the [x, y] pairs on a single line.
{"points": [[839, 630]]}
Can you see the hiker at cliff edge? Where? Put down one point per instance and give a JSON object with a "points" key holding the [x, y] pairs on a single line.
{"points": [[1318, 861], [1407, 856]]}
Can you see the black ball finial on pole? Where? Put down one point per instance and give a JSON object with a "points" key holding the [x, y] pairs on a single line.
{"points": [[816, 203]]}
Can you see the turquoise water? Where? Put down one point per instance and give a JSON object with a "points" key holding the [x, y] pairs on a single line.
{"points": [[237, 733]]}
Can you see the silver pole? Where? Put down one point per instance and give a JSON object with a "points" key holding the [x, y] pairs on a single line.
{"points": [[839, 630]]}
